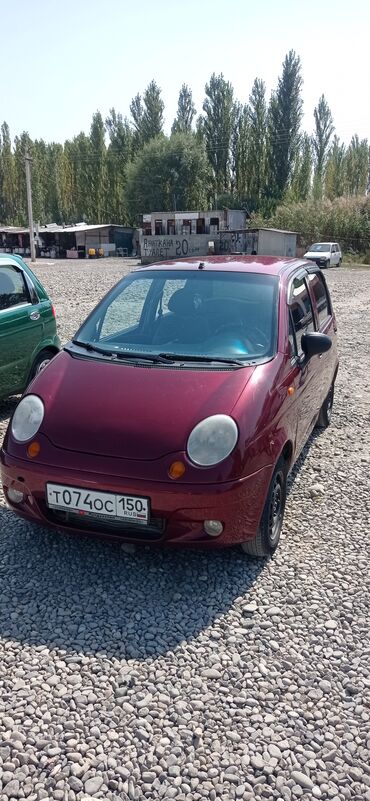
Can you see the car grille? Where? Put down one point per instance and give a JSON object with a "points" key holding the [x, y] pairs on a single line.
{"points": [[115, 528]]}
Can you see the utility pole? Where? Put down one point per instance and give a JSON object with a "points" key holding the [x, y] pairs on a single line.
{"points": [[28, 162]]}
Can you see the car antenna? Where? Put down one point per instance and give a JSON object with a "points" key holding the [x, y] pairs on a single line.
{"points": [[201, 265]]}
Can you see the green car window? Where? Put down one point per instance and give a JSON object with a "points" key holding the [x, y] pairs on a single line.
{"points": [[13, 290]]}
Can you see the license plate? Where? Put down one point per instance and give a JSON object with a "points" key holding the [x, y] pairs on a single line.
{"points": [[98, 504]]}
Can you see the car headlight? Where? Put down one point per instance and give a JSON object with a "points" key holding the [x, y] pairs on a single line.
{"points": [[27, 418], [212, 440]]}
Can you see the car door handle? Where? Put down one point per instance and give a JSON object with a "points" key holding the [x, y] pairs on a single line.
{"points": [[35, 315]]}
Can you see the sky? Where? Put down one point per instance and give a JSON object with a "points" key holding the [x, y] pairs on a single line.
{"points": [[63, 60]]}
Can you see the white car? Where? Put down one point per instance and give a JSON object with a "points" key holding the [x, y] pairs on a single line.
{"points": [[325, 254]]}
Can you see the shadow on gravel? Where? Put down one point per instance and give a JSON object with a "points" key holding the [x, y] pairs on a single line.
{"points": [[7, 408], [302, 458], [91, 596]]}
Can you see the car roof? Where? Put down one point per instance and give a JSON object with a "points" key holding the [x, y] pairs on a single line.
{"points": [[12, 259], [324, 242], [266, 265]]}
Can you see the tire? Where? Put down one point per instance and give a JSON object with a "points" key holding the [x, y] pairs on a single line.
{"points": [[268, 535], [339, 263], [41, 361], [328, 264], [324, 418]]}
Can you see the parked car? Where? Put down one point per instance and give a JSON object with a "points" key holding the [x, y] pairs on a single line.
{"points": [[28, 333], [325, 254], [177, 411]]}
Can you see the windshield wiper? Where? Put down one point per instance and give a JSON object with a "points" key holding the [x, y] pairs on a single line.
{"points": [[90, 346], [150, 357], [185, 357]]}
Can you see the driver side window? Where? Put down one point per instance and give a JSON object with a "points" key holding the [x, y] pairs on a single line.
{"points": [[13, 290], [301, 311]]}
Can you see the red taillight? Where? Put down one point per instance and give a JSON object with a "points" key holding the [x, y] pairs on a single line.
{"points": [[53, 311]]}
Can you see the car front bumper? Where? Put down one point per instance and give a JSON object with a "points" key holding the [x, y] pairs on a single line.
{"points": [[178, 511]]}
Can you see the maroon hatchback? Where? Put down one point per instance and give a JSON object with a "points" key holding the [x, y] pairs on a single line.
{"points": [[176, 413]]}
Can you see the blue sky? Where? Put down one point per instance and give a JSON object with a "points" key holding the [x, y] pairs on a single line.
{"points": [[60, 61]]}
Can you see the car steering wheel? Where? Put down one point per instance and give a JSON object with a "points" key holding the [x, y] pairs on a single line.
{"points": [[230, 326], [260, 338]]}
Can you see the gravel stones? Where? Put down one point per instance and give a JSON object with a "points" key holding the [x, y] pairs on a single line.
{"points": [[302, 780], [93, 785], [129, 673]]}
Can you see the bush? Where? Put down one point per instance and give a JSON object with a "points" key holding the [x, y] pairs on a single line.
{"points": [[345, 220]]}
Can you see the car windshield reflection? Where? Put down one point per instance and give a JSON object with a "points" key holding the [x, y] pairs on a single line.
{"points": [[320, 247], [209, 314]]}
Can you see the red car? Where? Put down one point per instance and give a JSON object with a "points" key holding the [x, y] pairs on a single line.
{"points": [[176, 413]]}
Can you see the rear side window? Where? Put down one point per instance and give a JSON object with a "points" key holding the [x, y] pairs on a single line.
{"points": [[13, 290], [321, 297], [301, 311]]}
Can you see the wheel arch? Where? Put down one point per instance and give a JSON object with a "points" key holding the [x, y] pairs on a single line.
{"points": [[45, 349]]}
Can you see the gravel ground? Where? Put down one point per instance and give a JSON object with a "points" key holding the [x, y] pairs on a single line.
{"points": [[133, 674]]}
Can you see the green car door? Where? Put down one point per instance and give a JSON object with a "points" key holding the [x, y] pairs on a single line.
{"points": [[27, 327]]}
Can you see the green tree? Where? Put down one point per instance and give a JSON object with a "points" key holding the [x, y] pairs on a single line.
{"points": [[119, 153], [284, 120], [239, 156], [335, 170], [302, 173], [8, 207], [166, 169], [97, 171], [152, 123], [356, 166], [147, 115], [77, 180], [22, 143], [137, 111], [217, 127], [256, 164], [185, 111], [40, 181], [54, 184], [324, 130]]}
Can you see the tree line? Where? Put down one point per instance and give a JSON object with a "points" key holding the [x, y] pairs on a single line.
{"points": [[251, 155]]}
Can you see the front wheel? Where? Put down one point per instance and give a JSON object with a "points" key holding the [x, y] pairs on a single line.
{"points": [[41, 361], [324, 418], [268, 535]]}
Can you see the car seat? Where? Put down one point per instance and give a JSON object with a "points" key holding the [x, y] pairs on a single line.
{"points": [[185, 321]]}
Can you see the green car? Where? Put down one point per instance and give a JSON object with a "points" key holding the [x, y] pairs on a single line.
{"points": [[28, 332]]}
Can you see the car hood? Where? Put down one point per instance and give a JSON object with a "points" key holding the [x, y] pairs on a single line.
{"points": [[316, 254], [133, 412]]}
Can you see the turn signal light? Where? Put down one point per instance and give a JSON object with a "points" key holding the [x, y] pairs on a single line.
{"points": [[33, 449], [176, 470]]}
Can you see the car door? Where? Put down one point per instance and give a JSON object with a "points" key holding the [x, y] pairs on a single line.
{"points": [[20, 329], [304, 376], [326, 324], [333, 256]]}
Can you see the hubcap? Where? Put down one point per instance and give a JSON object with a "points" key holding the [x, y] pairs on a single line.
{"points": [[42, 365], [276, 510]]}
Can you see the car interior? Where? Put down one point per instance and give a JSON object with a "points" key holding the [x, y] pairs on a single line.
{"points": [[194, 316]]}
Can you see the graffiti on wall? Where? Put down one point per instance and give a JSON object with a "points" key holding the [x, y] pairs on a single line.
{"points": [[155, 247]]}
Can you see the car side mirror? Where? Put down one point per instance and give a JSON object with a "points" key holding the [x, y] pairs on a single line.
{"points": [[315, 343]]}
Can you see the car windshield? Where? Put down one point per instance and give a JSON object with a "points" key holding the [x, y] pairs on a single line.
{"points": [[320, 247], [206, 314]]}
